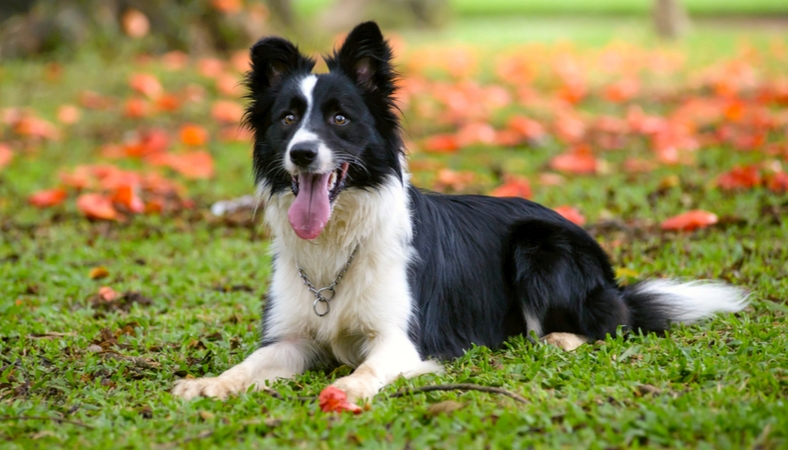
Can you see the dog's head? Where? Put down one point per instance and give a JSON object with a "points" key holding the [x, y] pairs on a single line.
{"points": [[318, 135]]}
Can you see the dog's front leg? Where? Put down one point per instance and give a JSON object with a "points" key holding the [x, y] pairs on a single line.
{"points": [[282, 359], [388, 357]]}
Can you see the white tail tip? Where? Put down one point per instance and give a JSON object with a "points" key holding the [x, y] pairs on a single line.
{"points": [[696, 300]]}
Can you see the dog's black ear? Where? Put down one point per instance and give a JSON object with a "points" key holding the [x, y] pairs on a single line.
{"points": [[272, 59], [366, 58]]}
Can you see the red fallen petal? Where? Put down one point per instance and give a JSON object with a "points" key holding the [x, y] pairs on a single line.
{"points": [[47, 198], [550, 179], [154, 206], [229, 85], [227, 6], [107, 293], [94, 100], [569, 127], [571, 214], [135, 23], [193, 135], [507, 138], [335, 400], [80, 178], [240, 61], [168, 103], [441, 143], [581, 163], [96, 206], [528, 128], [622, 91], [6, 155], [457, 181], [146, 143], [734, 111], [36, 127], [513, 187], [146, 84], [226, 111], [154, 183], [128, 196], [573, 91], [136, 108], [191, 165], [690, 220], [210, 67], [175, 60], [475, 133], [68, 114], [740, 177], [778, 182]]}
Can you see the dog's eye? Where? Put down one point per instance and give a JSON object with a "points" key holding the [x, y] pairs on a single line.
{"points": [[289, 119], [339, 119]]}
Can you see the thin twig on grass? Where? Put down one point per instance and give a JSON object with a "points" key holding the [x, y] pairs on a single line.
{"points": [[460, 387], [56, 419], [143, 363], [203, 435], [279, 396]]}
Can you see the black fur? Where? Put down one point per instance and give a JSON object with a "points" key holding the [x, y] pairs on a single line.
{"points": [[480, 262]]}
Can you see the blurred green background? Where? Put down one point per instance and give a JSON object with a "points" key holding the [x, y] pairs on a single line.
{"points": [[59, 27]]}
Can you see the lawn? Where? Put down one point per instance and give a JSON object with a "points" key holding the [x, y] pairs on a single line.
{"points": [[80, 368]]}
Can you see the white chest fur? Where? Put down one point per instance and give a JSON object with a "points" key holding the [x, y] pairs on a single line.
{"points": [[372, 299]]}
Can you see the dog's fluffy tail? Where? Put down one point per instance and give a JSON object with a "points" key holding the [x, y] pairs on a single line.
{"points": [[655, 304]]}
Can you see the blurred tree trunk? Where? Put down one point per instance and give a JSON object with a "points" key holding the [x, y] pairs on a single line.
{"points": [[282, 12], [345, 14], [670, 18], [30, 27]]}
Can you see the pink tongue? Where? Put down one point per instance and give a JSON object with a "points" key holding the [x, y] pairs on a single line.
{"points": [[309, 212]]}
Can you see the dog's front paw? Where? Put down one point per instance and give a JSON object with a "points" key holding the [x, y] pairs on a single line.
{"points": [[218, 387], [357, 388]]}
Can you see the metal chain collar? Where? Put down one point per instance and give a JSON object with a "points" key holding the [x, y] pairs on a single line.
{"points": [[320, 294]]}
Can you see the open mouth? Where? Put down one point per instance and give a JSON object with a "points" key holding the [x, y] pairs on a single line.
{"points": [[314, 193], [334, 185]]}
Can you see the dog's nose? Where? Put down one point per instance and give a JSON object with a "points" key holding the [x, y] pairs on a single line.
{"points": [[303, 155]]}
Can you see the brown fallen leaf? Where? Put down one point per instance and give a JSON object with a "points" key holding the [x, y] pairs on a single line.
{"points": [[145, 411], [93, 348], [646, 389], [98, 273], [444, 407]]}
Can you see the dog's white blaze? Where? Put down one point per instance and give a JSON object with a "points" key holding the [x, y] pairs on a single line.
{"points": [[533, 323], [696, 300], [325, 160]]}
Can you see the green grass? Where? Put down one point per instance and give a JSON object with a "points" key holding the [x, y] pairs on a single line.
{"points": [[721, 384]]}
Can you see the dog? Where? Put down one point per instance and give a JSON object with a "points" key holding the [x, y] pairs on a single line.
{"points": [[374, 273]]}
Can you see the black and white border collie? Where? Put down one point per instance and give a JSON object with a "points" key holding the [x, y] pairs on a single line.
{"points": [[419, 276]]}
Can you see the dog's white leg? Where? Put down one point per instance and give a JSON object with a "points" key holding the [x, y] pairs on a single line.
{"points": [[282, 359], [565, 341], [389, 357]]}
